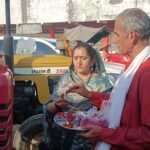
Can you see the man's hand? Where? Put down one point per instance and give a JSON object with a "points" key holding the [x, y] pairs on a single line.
{"points": [[80, 89], [92, 133]]}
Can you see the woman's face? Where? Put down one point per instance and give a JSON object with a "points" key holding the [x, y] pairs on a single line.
{"points": [[82, 61]]}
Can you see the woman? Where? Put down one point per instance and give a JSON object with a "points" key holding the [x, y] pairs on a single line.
{"points": [[87, 67]]}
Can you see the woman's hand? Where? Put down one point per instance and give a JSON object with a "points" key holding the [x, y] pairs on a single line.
{"points": [[61, 103], [80, 89], [57, 105]]}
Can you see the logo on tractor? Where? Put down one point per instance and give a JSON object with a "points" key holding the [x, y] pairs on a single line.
{"points": [[40, 71]]}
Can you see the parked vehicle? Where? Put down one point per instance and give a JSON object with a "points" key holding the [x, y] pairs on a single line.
{"points": [[37, 67], [30, 44], [6, 105]]}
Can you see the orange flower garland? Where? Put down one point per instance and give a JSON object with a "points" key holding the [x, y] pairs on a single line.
{"points": [[66, 44]]}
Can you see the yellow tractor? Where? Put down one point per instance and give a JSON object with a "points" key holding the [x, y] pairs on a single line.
{"points": [[35, 76], [36, 72]]}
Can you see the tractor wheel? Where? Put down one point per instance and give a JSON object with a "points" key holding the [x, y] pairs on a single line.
{"points": [[30, 135]]}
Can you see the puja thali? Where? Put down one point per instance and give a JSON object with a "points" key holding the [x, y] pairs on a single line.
{"points": [[68, 120]]}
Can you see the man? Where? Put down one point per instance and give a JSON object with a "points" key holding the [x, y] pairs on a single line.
{"points": [[129, 112]]}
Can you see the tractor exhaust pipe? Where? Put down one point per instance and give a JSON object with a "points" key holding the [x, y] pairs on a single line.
{"points": [[8, 39]]}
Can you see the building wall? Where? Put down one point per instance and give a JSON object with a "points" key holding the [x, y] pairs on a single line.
{"points": [[52, 11], [15, 10]]}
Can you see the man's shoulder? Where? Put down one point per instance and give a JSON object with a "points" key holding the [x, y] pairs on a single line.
{"points": [[145, 67], [146, 63]]}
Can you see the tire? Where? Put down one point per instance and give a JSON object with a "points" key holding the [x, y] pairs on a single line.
{"points": [[30, 134]]}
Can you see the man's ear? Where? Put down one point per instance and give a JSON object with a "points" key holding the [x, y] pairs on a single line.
{"points": [[133, 36]]}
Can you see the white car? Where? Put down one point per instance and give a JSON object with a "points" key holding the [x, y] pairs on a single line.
{"points": [[30, 45]]}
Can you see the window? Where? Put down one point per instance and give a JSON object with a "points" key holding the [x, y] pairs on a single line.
{"points": [[30, 46], [14, 46], [44, 49], [1, 45]]}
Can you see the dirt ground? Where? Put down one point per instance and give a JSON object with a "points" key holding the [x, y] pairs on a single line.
{"points": [[15, 127]]}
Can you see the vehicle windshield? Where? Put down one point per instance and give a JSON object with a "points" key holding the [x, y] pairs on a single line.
{"points": [[30, 46]]}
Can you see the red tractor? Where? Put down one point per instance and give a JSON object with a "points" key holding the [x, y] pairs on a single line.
{"points": [[6, 105], [6, 88]]}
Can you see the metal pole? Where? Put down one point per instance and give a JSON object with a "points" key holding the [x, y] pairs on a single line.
{"points": [[7, 11], [8, 39]]}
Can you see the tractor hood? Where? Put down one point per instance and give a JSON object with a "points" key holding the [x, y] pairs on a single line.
{"points": [[24, 61], [31, 65]]}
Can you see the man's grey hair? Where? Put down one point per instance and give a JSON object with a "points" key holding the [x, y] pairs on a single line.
{"points": [[135, 19]]}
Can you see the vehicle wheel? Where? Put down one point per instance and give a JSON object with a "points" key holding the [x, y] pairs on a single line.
{"points": [[30, 134]]}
